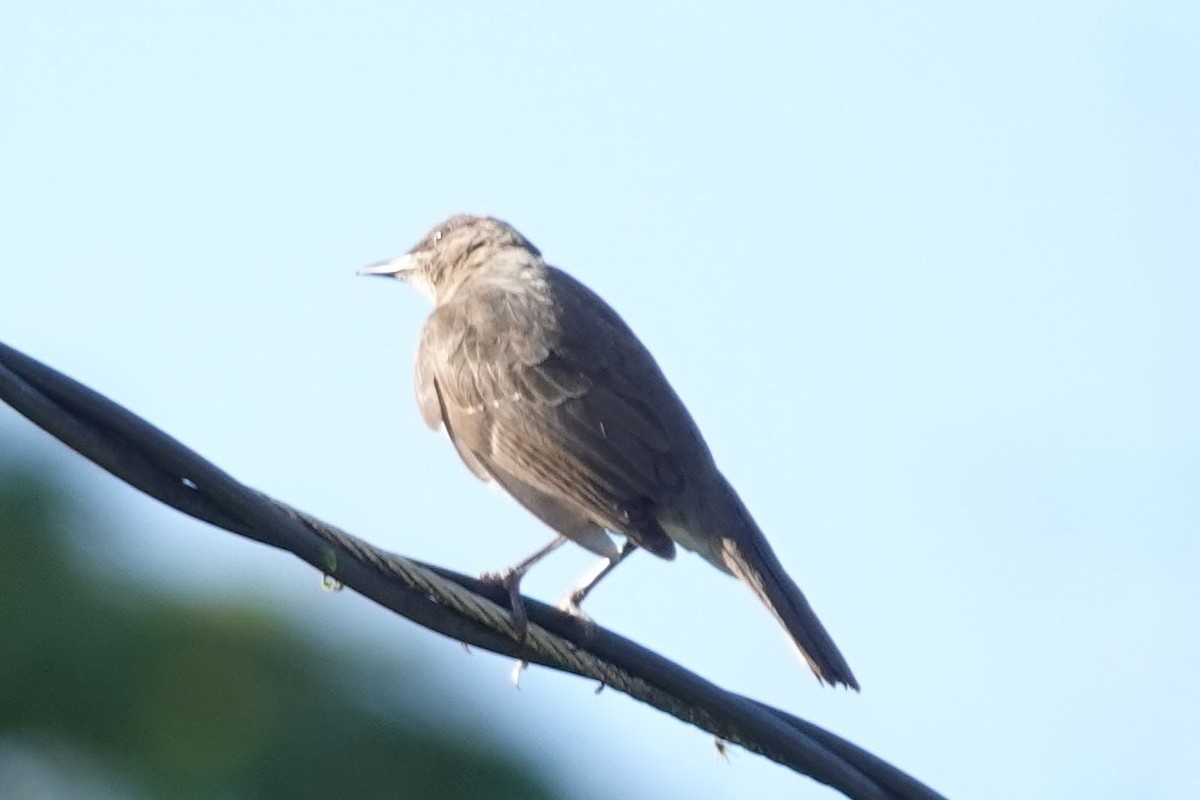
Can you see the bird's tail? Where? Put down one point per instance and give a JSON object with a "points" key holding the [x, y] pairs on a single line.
{"points": [[746, 553]]}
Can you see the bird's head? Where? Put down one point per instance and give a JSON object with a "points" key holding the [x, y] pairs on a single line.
{"points": [[453, 251]]}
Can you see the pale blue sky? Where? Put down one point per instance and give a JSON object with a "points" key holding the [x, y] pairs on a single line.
{"points": [[925, 274]]}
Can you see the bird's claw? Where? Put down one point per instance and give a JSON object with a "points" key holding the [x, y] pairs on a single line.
{"points": [[518, 668], [570, 605], [511, 580]]}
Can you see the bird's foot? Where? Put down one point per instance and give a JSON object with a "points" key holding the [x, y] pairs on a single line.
{"points": [[571, 605], [510, 579]]}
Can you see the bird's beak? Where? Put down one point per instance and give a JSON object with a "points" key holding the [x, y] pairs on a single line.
{"points": [[398, 267]]}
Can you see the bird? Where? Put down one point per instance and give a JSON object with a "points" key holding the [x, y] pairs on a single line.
{"points": [[545, 391]]}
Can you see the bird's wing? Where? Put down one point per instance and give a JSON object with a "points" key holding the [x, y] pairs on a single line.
{"points": [[425, 383], [554, 413], [430, 402]]}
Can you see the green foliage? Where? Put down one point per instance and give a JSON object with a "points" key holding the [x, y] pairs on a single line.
{"points": [[179, 700]]}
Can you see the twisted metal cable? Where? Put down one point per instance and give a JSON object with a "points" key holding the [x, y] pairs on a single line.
{"points": [[458, 606]]}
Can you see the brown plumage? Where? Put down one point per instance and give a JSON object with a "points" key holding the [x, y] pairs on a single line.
{"points": [[545, 390]]}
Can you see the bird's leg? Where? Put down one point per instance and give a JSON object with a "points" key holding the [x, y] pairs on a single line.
{"points": [[510, 579], [572, 601]]}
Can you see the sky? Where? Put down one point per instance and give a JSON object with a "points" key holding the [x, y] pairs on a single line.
{"points": [[926, 276]]}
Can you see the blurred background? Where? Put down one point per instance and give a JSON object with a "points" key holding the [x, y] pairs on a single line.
{"points": [[925, 275]]}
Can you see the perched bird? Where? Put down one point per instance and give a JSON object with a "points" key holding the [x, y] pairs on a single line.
{"points": [[546, 391]]}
